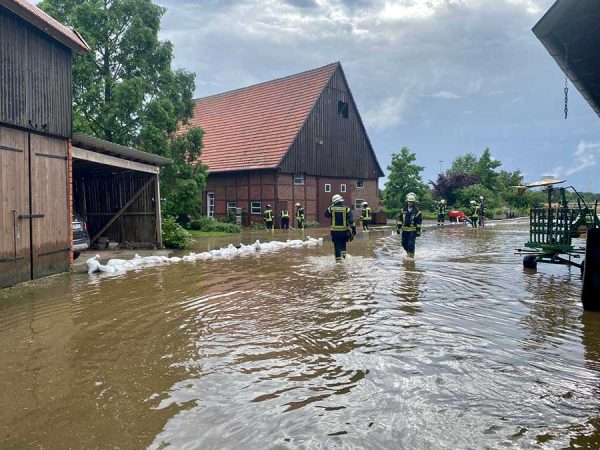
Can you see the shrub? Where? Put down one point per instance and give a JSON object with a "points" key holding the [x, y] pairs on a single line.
{"points": [[173, 234], [257, 226], [312, 224], [208, 224]]}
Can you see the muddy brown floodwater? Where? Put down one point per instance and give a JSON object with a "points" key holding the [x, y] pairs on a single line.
{"points": [[458, 349]]}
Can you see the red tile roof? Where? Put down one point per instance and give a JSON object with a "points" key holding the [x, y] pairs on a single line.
{"points": [[253, 127], [41, 20]]}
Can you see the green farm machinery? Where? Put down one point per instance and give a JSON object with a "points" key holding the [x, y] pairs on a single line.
{"points": [[551, 232]]}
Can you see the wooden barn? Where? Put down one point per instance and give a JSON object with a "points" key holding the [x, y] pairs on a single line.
{"points": [[36, 54], [298, 139], [46, 172]]}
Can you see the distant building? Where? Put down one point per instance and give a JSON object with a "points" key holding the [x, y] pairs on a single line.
{"points": [[293, 139]]}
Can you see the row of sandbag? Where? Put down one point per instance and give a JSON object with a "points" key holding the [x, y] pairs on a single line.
{"points": [[123, 265]]}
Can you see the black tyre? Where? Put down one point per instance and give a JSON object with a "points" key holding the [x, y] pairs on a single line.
{"points": [[76, 255], [582, 268], [530, 262]]}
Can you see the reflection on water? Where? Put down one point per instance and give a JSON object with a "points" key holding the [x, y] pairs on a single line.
{"points": [[459, 348]]}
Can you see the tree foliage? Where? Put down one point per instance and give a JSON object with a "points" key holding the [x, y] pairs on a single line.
{"points": [[125, 91], [404, 177]]}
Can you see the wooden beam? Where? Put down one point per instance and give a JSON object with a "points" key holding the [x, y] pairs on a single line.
{"points": [[122, 210], [101, 158], [158, 217]]}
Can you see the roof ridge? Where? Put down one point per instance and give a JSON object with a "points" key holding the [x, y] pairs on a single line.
{"points": [[337, 63]]}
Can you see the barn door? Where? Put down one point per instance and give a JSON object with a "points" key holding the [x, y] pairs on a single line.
{"points": [[49, 206], [15, 258]]}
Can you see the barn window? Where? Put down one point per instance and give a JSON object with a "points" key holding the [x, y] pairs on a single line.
{"points": [[327, 187], [342, 188], [358, 203], [231, 208], [255, 208], [343, 109], [299, 178], [360, 184]]}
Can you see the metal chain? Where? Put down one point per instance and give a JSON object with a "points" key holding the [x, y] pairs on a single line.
{"points": [[566, 89]]}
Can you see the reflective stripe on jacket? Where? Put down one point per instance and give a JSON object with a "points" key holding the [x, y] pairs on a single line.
{"points": [[341, 218], [300, 214], [268, 215], [284, 213], [366, 213], [410, 220]]}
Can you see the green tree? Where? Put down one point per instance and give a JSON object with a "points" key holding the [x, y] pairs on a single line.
{"points": [[125, 90], [463, 164], [486, 169], [404, 177]]}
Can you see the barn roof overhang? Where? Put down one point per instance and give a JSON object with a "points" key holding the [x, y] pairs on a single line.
{"points": [[570, 31], [47, 24], [92, 149]]}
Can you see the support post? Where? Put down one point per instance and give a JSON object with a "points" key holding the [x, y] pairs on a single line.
{"points": [[591, 272], [157, 211]]}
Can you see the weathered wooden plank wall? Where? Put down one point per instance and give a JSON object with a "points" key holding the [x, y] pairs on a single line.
{"points": [[15, 264], [105, 195], [35, 78], [49, 197], [330, 144]]}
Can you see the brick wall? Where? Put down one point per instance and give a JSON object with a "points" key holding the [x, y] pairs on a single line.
{"points": [[280, 191]]}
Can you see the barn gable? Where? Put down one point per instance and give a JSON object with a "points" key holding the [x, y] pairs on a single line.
{"points": [[333, 141]]}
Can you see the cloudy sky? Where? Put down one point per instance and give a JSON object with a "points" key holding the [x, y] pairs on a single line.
{"points": [[443, 77]]}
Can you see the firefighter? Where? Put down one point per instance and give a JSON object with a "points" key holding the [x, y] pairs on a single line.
{"points": [[481, 211], [366, 216], [473, 213], [342, 225], [441, 207], [409, 222], [285, 219], [268, 217], [300, 216]]}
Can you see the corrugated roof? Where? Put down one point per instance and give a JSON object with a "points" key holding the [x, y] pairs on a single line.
{"points": [[44, 22], [91, 143], [253, 127]]}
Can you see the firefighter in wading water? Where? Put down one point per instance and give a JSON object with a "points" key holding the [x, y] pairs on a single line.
{"points": [[268, 217], [441, 212], [285, 219], [481, 212], [366, 216], [342, 225], [300, 216], [409, 223], [474, 213]]}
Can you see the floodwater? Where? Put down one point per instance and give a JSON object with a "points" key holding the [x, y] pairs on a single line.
{"points": [[459, 349]]}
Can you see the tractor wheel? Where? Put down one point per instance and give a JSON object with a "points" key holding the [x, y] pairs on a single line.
{"points": [[530, 262]]}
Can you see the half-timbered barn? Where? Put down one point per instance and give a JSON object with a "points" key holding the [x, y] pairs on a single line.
{"points": [[298, 139], [36, 54]]}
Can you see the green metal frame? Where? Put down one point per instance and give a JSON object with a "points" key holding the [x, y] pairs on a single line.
{"points": [[551, 229]]}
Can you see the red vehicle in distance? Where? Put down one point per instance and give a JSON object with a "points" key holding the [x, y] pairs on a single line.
{"points": [[456, 216]]}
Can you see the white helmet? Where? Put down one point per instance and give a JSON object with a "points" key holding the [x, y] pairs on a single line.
{"points": [[411, 197], [481, 198], [365, 204], [473, 202], [297, 204], [442, 201], [337, 198]]}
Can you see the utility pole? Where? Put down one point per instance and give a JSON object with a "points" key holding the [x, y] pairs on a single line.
{"points": [[441, 166]]}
